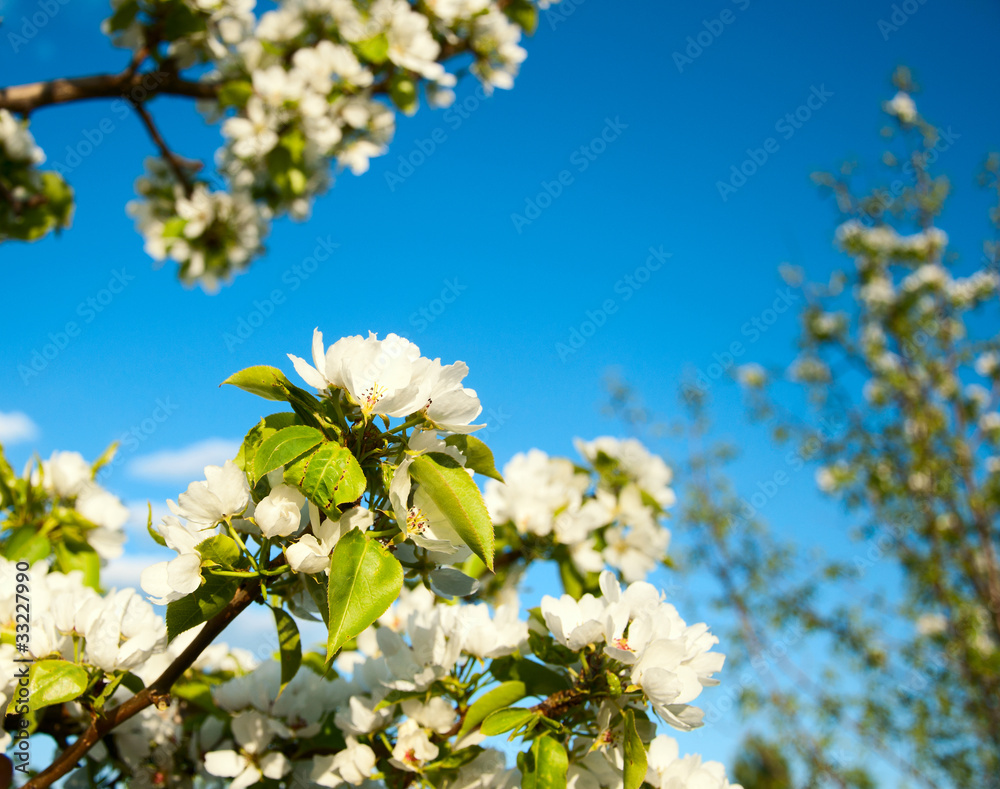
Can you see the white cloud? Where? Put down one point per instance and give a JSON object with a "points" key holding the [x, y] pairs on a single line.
{"points": [[138, 514], [15, 427], [186, 464], [125, 571]]}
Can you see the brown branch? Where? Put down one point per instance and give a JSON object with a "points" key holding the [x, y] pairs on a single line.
{"points": [[155, 693], [169, 156], [128, 84]]}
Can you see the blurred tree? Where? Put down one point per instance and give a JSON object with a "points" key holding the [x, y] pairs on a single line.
{"points": [[890, 658], [762, 765]]}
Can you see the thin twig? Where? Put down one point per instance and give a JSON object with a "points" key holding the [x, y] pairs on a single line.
{"points": [[155, 693], [165, 152]]}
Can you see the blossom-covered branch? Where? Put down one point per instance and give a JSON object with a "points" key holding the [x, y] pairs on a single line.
{"points": [[331, 512], [307, 84]]}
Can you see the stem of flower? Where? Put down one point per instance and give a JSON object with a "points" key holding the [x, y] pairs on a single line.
{"points": [[414, 420], [239, 541]]}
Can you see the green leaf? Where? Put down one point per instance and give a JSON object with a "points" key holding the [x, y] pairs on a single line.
{"points": [[546, 648], [501, 696], [545, 765], [235, 93], [374, 50], [108, 692], [458, 498], [132, 682], [365, 579], [538, 680], [282, 447], [157, 537], [478, 456], [294, 142], [106, 457], [267, 426], [433, 772], [199, 606], [290, 646], [84, 559], [58, 198], [329, 476], [572, 580], [123, 16], [198, 693], [54, 682], [28, 544], [524, 14], [316, 586], [504, 720], [297, 181], [403, 91], [396, 696], [449, 582], [220, 550], [263, 381], [635, 753], [575, 583]]}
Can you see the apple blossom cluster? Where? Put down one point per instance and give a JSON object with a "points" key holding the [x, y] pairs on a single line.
{"points": [[59, 500], [68, 629], [358, 510], [390, 378], [69, 479], [115, 632], [365, 377], [418, 643], [397, 702], [16, 143], [205, 231], [307, 84], [222, 497], [32, 202], [607, 514], [667, 769], [650, 646]]}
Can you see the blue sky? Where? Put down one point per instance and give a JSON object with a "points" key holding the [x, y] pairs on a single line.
{"points": [[424, 224]]}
